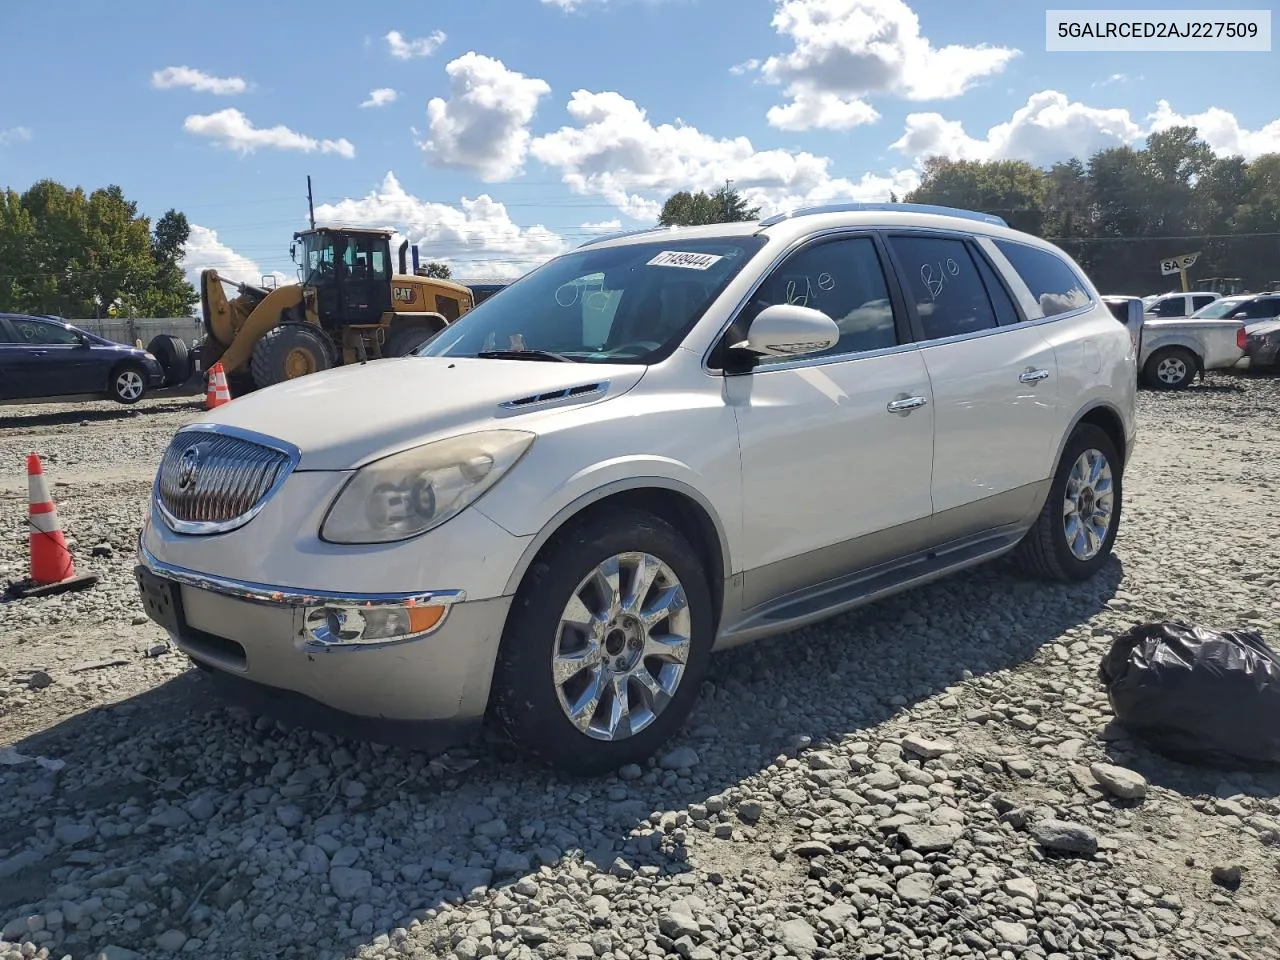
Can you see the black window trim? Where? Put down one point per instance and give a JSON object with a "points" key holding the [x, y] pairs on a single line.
{"points": [[42, 322], [897, 301], [1073, 269]]}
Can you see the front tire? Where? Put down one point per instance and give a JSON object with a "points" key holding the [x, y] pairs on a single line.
{"points": [[606, 644], [1172, 368], [288, 351], [1076, 530], [128, 384]]}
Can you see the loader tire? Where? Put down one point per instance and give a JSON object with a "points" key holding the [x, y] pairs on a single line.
{"points": [[174, 357], [406, 341], [288, 351]]}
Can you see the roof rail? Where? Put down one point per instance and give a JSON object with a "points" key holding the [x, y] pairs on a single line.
{"points": [[617, 236], [854, 207]]}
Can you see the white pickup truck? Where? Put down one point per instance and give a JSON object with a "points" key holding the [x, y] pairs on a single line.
{"points": [[1173, 350]]}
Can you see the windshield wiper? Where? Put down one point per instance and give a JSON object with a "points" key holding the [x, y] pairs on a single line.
{"points": [[523, 355]]}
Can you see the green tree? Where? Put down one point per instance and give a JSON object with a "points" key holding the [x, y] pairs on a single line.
{"points": [[439, 271], [1011, 189], [74, 254], [723, 205]]}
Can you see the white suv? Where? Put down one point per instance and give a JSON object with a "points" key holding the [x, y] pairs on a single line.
{"points": [[651, 447]]}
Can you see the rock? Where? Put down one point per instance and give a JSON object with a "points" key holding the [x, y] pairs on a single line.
{"points": [[929, 837], [1229, 876], [1061, 836], [916, 887], [470, 879], [630, 772], [679, 759], [1022, 887], [74, 834], [812, 848], [838, 913], [350, 883], [926, 748], [750, 810], [171, 941], [39, 679], [1014, 934], [798, 938], [511, 864], [675, 924], [1120, 782], [170, 818]]}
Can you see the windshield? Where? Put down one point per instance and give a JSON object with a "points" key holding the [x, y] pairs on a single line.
{"points": [[317, 264], [627, 304], [1219, 308]]}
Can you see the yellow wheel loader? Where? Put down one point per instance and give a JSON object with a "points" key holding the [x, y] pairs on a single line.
{"points": [[349, 306]]}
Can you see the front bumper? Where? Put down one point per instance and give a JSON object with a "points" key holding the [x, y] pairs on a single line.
{"points": [[263, 649]]}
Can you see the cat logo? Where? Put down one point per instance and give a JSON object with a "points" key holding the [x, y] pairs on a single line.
{"points": [[402, 294]]}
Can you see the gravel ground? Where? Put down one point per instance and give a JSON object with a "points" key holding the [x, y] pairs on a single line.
{"points": [[932, 776]]}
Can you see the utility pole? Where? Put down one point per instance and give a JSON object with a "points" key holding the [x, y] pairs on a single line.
{"points": [[311, 209], [727, 185]]}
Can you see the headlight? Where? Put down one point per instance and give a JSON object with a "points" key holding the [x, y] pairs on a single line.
{"points": [[408, 493]]}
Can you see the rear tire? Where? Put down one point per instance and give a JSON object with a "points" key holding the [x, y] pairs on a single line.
{"points": [[620, 653], [128, 384], [1067, 545], [289, 351], [404, 342], [1170, 368], [174, 357]]}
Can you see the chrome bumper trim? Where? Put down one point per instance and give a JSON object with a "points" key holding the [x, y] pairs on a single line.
{"points": [[290, 596]]}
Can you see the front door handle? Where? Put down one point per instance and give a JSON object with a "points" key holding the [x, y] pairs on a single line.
{"points": [[906, 404], [1033, 376]]}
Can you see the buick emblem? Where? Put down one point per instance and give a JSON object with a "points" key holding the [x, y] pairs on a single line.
{"points": [[189, 468]]}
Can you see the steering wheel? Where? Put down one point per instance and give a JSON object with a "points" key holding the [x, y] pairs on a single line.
{"points": [[648, 345]]}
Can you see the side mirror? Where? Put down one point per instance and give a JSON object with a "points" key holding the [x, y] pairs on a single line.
{"points": [[293, 252], [786, 330]]}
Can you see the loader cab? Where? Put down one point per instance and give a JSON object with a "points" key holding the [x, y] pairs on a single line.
{"points": [[350, 271]]}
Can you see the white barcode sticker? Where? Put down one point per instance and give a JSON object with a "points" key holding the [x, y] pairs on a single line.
{"points": [[689, 261]]}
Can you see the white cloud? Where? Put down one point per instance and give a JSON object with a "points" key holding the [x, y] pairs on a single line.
{"points": [[478, 240], [602, 226], [204, 250], [381, 97], [1047, 128], [403, 49], [483, 125], [14, 135], [232, 129], [1220, 130], [570, 5], [197, 80], [846, 50], [615, 151]]}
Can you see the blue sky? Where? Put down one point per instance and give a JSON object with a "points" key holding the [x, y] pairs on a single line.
{"points": [[520, 127]]}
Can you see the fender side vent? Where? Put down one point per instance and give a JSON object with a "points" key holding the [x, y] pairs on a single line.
{"points": [[555, 396]]}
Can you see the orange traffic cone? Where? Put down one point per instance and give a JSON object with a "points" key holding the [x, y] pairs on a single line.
{"points": [[52, 568], [218, 391]]}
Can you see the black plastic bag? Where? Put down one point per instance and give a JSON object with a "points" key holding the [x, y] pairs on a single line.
{"points": [[1196, 695]]}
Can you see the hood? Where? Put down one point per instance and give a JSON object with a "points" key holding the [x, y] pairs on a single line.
{"points": [[342, 418], [1262, 327]]}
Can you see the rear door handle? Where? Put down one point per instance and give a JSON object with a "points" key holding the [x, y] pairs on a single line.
{"points": [[906, 404], [1033, 376]]}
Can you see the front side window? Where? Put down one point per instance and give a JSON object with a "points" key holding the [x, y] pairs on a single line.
{"points": [[318, 258], [943, 281], [628, 304], [845, 280], [1051, 280], [1264, 308], [1218, 309], [36, 333]]}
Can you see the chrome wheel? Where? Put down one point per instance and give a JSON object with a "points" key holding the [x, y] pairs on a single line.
{"points": [[129, 385], [621, 646], [1172, 370], [1088, 503]]}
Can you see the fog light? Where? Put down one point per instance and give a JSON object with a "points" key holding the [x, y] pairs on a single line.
{"points": [[335, 625]]}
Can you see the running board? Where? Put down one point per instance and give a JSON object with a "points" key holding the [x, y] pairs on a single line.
{"points": [[834, 597]]}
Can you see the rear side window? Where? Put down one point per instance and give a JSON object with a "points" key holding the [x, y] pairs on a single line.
{"points": [[1172, 307], [944, 282], [1050, 279]]}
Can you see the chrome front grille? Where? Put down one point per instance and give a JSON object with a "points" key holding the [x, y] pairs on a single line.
{"points": [[212, 481]]}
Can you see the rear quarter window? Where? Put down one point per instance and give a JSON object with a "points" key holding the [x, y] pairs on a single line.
{"points": [[1055, 285]]}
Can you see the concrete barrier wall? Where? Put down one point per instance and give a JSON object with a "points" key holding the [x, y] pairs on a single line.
{"points": [[129, 331]]}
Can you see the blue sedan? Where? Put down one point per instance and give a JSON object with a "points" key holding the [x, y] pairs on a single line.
{"points": [[43, 358]]}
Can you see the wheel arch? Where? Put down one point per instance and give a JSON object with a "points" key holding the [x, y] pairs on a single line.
{"points": [[683, 506], [1105, 416], [1168, 340], [121, 364]]}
